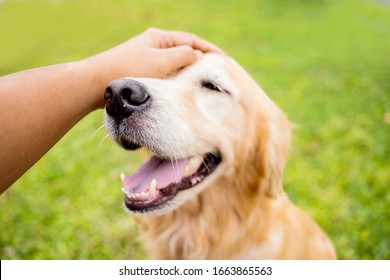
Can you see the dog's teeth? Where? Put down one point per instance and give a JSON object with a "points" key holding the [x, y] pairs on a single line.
{"points": [[186, 169], [196, 180], [192, 164], [123, 176], [152, 187], [144, 195], [195, 161]]}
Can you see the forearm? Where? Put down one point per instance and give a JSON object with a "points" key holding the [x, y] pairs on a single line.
{"points": [[37, 108]]}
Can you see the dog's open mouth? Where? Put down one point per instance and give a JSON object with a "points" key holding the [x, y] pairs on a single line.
{"points": [[158, 180]]}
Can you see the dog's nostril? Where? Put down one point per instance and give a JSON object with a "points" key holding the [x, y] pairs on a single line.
{"points": [[108, 94], [125, 96], [134, 95]]}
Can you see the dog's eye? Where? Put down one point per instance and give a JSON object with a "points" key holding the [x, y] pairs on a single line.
{"points": [[211, 86]]}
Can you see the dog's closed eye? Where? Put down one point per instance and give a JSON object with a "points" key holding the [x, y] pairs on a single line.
{"points": [[213, 87]]}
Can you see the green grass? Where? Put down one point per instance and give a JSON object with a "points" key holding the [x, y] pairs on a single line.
{"points": [[324, 62]]}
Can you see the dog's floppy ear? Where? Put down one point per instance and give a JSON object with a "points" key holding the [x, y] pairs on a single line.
{"points": [[275, 141]]}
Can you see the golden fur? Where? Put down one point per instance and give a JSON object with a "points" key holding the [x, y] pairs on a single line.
{"points": [[242, 213]]}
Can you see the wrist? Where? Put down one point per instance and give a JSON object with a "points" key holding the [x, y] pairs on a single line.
{"points": [[94, 81]]}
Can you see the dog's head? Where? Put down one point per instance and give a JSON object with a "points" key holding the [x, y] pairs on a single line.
{"points": [[208, 121]]}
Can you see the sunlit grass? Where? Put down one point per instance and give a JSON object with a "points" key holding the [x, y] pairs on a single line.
{"points": [[324, 62]]}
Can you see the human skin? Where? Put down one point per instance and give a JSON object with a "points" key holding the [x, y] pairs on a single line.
{"points": [[38, 106]]}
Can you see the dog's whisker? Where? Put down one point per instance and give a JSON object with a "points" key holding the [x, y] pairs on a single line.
{"points": [[104, 138], [204, 163], [112, 146], [96, 132], [170, 154]]}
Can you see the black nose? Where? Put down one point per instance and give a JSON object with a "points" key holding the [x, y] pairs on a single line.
{"points": [[125, 96]]}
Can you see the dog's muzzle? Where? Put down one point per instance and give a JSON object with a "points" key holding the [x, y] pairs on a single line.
{"points": [[124, 97]]}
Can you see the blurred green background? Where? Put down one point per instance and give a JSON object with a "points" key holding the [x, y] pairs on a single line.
{"points": [[326, 63]]}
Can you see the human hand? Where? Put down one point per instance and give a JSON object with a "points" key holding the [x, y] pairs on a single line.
{"points": [[153, 53], [73, 90]]}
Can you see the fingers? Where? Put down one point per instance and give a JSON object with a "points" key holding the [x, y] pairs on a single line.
{"points": [[178, 38], [169, 39], [178, 57], [156, 53]]}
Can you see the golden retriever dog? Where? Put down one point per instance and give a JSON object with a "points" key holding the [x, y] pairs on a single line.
{"points": [[212, 188]]}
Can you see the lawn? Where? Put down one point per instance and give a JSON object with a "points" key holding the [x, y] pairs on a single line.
{"points": [[325, 63]]}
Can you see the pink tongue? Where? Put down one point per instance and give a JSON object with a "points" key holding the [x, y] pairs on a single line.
{"points": [[164, 171]]}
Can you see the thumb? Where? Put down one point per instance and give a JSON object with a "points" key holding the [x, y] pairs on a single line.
{"points": [[179, 57]]}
